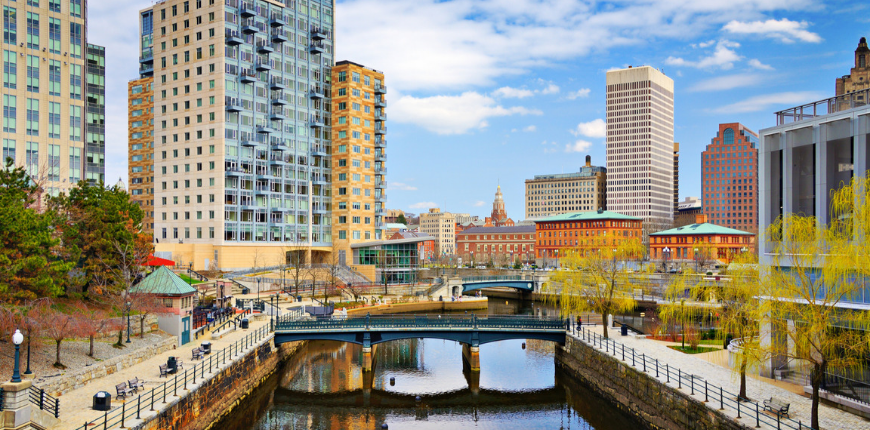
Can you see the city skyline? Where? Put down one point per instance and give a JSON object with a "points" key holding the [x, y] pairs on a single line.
{"points": [[514, 91]]}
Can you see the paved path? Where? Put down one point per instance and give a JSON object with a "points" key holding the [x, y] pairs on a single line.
{"points": [[76, 405], [829, 418]]}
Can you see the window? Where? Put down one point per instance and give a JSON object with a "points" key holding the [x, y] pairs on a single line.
{"points": [[54, 78], [8, 150], [75, 40], [54, 120], [33, 73], [10, 26], [10, 70], [32, 30], [32, 117]]}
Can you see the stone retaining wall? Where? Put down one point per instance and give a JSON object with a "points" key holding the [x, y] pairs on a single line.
{"points": [[81, 377], [657, 405], [201, 408]]}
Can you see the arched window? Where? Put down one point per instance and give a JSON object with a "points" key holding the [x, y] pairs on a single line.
{"points": [[861, 61], [728, 137]]}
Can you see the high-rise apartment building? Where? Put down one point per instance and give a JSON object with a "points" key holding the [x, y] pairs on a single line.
{"points": [[241, 127], [548, 195], [729, 178], [442, 227], [140, 154], [358, 155], [676, 177], [53, 94], [640, 143]]}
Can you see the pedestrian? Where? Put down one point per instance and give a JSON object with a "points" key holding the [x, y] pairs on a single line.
{"points": [[579, 321]]}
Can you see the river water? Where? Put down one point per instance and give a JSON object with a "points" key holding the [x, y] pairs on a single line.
{"points": [[518, 387]]}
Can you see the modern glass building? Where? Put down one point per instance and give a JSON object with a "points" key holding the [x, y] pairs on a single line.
{"points": [[396, 261], [241, 115]]}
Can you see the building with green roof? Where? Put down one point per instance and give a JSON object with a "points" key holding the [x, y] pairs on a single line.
{"points": [[176, 295], [700, 242]]}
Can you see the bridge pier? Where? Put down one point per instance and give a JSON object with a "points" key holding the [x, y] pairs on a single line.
{"points": [[368, 357], [471, 358], [473, 380]]}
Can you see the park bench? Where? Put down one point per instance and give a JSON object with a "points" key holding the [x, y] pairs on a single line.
{"points": [[776, 406], [197, 353], [123, 391], [164, 371], [135, 384]]}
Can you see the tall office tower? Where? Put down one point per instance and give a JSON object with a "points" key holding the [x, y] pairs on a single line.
{"points": [[241, 121], [676, 177], [52, 93], [441, 226], [560, 193], [140, 156], [729, 178], [358, 155], [640, 143]]}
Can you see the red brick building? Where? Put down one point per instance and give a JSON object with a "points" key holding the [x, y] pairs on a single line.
{"points": [[499, 245], [582, 230], [425, 249], [729, 178]]}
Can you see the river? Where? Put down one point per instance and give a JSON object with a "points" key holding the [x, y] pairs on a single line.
{"points": [[518, 387]]}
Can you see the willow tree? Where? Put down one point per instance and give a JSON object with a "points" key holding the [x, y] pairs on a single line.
{"points": [[814, 269], [599, 280], [684, 301]]}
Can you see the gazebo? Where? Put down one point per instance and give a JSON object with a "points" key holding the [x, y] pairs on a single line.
{"points": [[176, 295]]}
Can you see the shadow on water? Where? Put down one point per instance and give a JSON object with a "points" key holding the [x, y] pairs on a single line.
{"points": [[518, 387]]}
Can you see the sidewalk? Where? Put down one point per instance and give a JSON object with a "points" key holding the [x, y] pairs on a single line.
{"points": [[76, 405], [756, 389]]}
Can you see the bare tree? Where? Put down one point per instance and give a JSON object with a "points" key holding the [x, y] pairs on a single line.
{"points": [[297, 266], [91, 322], [59, 326]]}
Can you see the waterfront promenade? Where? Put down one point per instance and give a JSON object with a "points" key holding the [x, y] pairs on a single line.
{"points": [[829, 418]]}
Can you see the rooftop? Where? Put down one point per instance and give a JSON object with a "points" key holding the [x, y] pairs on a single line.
{"points": [[700, 229], [823, 107], [390, 242], [588, 216], [163, 282]]}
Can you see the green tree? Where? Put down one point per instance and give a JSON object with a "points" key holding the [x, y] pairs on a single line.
{"points": [[401, 219], [30, 266], [92, 220]]}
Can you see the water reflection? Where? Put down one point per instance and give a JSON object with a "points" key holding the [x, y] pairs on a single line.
{"points": [[324, 387]]}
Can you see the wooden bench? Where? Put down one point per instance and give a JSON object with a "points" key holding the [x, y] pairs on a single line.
{"points": [[777, 406], [164, 371], [197, 353], [123, 391], [135, 384]]}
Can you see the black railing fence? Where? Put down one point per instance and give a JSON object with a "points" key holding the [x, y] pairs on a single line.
{"points": [[44, 401], [745, 408], [132, 410]]}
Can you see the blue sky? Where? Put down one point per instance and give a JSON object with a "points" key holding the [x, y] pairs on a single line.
{"points": [[487, 92]]}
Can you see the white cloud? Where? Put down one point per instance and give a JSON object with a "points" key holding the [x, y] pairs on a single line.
{"points": [[704, 44], [581, 93], [594, 128], [722, 83], [578, 146], [759, 65], [423, 205], [785, 30], [452, 114], [771, 101], [530, 129], [723, 57], [551, 89], [479, 203], [399, 186], [512, 93]]}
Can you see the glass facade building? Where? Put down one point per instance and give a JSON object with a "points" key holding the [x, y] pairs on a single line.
{"points": [[395, 261]]}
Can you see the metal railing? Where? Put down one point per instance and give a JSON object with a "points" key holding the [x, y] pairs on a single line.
{"points": [[146, 401], [712, 393], [463, 322], [823, 107], [44, 401], [220, 316], [495, 278]]}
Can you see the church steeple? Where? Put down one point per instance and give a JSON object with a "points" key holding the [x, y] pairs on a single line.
{"points": [[499, 216]]}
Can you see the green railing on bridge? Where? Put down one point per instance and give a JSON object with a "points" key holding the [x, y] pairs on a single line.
{"points": [[420, 322], [510, 278]]}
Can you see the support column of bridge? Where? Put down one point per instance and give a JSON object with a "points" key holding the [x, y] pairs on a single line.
{"points": [[471, 357]]}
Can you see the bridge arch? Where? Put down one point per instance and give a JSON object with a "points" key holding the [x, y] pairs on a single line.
{"points": [[376, 337], [516, 282]]}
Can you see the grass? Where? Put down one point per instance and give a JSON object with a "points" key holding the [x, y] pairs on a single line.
{"points": [[188, 279], [690, 350]]}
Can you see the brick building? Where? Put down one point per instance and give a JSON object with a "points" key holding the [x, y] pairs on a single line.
{"points": [[729, 178], [859, 77], [700, 240], [581, 230], [498, 245]]}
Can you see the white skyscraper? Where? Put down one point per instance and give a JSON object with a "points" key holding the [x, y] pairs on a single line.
{"points": [[640, 143]]}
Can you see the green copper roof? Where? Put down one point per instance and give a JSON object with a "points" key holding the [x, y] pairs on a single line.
{"points": [[164, 283], [701, 229], [588, 216]]}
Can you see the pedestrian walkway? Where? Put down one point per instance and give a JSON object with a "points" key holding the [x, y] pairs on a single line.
{"points": [[829, 418], [76, 406]]}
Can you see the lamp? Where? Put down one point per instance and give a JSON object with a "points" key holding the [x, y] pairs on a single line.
{"points": [[17, 338]]}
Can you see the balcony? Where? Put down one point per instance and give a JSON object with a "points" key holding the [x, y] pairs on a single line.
{"points": [[380, 102], [234, 39], [233, 104], [380, 116], [319, 179], [277, 115], [278, 36], [280, 146], [278, 161], [381, 198], [262, 191], [247, 77], [380, 89], [382, 130], [380, 184], [380, 157], [316, 121], [277, 20], [265, 129], [147, 57], [279, 101], [277, 83], [263, 65], [381, 142], [250, 27], [234, 173], [380, 170], [247, 10], [250, 143], [318, 33], [264, 48], [316, 48], [320, 151], [316, 93], [379, 211], [146, 68]]}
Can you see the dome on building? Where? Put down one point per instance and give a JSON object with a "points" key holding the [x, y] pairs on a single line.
{"points": [[121, 184]]}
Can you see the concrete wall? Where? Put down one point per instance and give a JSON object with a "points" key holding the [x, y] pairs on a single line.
{"points": [[206, 405], [651, 402]]}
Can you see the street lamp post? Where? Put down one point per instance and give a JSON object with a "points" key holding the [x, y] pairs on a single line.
{"points": [[17, 338], [695, 255], [129, 306], [666, 255], [28, 372]]}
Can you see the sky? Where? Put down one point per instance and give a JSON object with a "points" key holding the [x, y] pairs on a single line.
{"points": [[484, 93]]}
